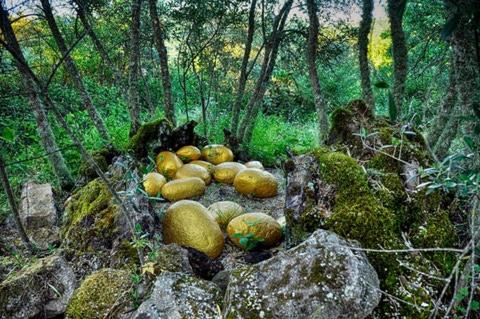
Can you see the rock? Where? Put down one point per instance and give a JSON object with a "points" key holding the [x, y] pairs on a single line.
{"points": [[153, 183], [42, 289], [102, 294], [178, 296], [189, 153], [256, 182], [221, 279], [168, 164], [173, 258], [320, 278], [217, 154], [248, 231], [254, 164], [202, 265], [226, 172], [183, 188], [38, 214], [223, 212], [188, 223], [193, 170], [208, 166]]}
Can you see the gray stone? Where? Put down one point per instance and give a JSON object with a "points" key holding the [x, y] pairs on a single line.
{"points": [[38, 214], [319, 279], [42, 289], [180, 296]]}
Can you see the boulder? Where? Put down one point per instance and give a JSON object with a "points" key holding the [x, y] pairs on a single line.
{"points": [[38, 214], [42, 289], [320, 278], [179, 296]]}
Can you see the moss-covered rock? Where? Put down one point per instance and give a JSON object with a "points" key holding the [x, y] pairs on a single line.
{"points": [[101, 295], [102, 157], [141, 144], [89, 220]]}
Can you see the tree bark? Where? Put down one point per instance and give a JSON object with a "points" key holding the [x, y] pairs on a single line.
{"points": [[268, 64], [312, 48], [396, 9], [363, 32], [13, 206], [134, 67], [159, 39], [242, 81], [73, 71], [47, 138], [82, 14]]}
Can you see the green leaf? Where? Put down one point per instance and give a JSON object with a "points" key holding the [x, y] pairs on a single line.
{"points": [[469, 141], [244, 242], [8, 135], [475, 305]]}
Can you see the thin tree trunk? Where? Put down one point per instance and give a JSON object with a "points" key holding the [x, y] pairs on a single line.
{"points": [[312, 47], [13, 206], [363, 32], [82, 14], [134, 66], [73, 71], [448, 133], [159, 38], [47, 138], [396, 9], [270, 56], [242, 81]]}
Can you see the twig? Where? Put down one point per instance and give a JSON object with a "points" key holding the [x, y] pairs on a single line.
{"points": [[410, 250]]}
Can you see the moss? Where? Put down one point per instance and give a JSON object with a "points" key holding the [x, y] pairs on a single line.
{"points": [[99, 294], [102, 157], [384, 163], [89, 218], [141, 143]]}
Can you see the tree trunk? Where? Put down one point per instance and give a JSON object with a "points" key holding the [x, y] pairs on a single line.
{"points": [[363, 32], [447, 133], [396, 9], [134, 66], [159, 38], [13, 205], [270, 56], [82, 14], [47, 138], [242, 81], [73, 71], [312, 47]]}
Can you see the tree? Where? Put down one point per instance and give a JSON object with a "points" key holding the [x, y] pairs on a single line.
{"points": [[396, 10], [73, 71], [312, 47], [159, 39], [134, 67], [242, 80], [269, 58], [363, 33], [47, 138]]}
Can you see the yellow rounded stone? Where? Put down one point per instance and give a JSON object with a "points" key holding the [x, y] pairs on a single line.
{"points": [[189, 153], [183, 188], [217, 154], [168, 163], [226, 172], [208, 166], [255, 182], [254, 164], [188, 223], [223, 212], [249, 230], [153, 183], [192, 170]]}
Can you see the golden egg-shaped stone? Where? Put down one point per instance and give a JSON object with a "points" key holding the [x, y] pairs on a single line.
{"points": [[188, 223], [250, 230], [168, 163], [226, 172], [208, 166], [153, 183], [192, 170], [183, 188], [217, 154], [223, 212], [189, 153], [254, 164], [255, 182]]}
